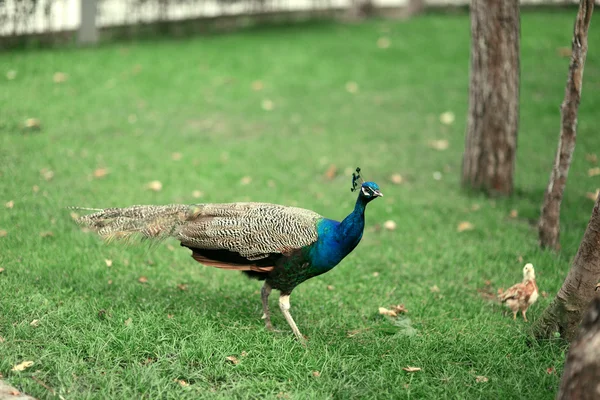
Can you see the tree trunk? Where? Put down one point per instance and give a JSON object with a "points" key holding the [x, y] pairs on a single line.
{"points": [[491, 139], [564, 314], [549, 225], [88, 32], [581, 376]]}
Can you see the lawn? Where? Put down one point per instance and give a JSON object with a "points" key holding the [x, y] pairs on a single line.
{"points": [[186, 113]]}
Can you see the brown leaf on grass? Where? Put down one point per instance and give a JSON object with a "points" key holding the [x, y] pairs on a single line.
{"points": [[550, 370], [257, 86], [182, 286], [594, 171], [434, 289], [176, 156], [465, 226], [22, 366], [441, 144], [233, 360], [447, 118], [3, 233], [46, 234], [593, 196], [384, 42], [352, 87], [396, 179], [155, 186], [197, 194], [110, 282], [244, 353], [1, 271], [181, 382], [411, 369], [513, 213], [128, 321], [246, 180], [389, 225], [375, 274], [9, 204], [2, 340], [316, 374], [35, 188], [331, 172], [592, 158], [60, 77], [108, 262], [142, 279], [32, 124], [355, 332], [47, 174], [399, 309], [35, 323], [11, 74], [481, 378], [330, 287], [564, 51], [475, 207], [389, 313], [100, 172]]}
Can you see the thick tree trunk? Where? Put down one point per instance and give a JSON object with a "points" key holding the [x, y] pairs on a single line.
{"points": [[491, 139], [564, 314], [581, 376], [549, 225]]}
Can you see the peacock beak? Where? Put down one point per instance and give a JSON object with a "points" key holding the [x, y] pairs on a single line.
{"points": [[377, 193]]}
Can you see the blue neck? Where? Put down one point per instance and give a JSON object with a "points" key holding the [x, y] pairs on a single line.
{"points": [[350, 231]]}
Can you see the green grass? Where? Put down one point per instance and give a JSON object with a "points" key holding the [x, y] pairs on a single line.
{"points": [[129, 106]]}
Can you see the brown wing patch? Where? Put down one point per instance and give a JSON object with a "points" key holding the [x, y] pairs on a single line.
{"points": [[225, 265]]}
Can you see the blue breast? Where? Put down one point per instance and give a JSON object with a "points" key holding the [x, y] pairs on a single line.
{"points": [[336, 241]]}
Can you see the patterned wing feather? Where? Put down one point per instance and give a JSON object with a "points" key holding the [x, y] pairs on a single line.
{"points": [[253, 230]]}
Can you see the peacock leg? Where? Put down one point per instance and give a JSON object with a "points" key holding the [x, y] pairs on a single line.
{"points": [[284, 305], [264, 295]]}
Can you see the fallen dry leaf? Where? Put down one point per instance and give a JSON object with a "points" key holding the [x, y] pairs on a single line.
{"points": [[441, 144], [110, 282], [128, 321], [564, 51], [47, 174], [351, 87], [447, 118], [170, 316], [316, 374], [514, 213], [411, 369], [267, 105], [181, 382], [35, 188], [465, 226], [244, 353], [1, 270], [155, 185], [176, 156], [3, 232], [32, 124], [383, 42], [550, 370], [331, 172], [385, 311], [74, 215], [197, 194], [399, 309], [35, 323], [232, 359], [475, 207], [434, 289], [100, 172], [22, 366], [60, 77], [2, 340], [592, 158], [132, 118], [246, 180], [330, 287], [594, 171], [544, 294], [108, 262], [480, 378], [11, 74], [142, 279], [437, 175], [46, 234], [170, 247], [593, 196], [257, 86], [396, 179], [9, 204], [182, 286], [389, 225], [375, 274]]}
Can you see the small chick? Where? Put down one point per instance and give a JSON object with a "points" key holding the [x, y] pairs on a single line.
{"points": [[521, 295]]}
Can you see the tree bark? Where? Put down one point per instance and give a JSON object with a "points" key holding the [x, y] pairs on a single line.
{"points": [[581, 376], [88, 31], [564, 314], [492, 124], [549, 224]]}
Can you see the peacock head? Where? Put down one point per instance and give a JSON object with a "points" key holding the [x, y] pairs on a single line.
{"points": [[368, 190]]}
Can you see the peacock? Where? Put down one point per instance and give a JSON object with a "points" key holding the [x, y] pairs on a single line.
{"points": [[280, 245]]}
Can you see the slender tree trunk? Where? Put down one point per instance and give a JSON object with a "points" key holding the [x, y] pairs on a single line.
{"points": [[491, 139], [581, 376], [549, 225], [88, 32], [564, 314]]}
